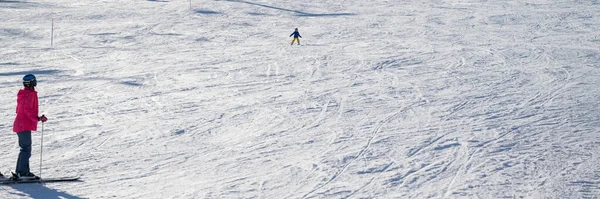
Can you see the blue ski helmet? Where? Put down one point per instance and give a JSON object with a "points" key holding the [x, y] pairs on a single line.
{"points": [[29, 81]]}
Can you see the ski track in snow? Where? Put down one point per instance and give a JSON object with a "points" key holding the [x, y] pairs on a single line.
{"points": [[410, 99]]}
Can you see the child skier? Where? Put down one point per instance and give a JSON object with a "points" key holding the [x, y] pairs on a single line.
{"points": [[25, 122], [296, 34]]}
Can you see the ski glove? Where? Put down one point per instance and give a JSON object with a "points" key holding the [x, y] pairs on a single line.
{"points": [[42, 118]]}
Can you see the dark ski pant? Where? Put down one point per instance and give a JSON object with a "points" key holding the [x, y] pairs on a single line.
{"points": [[25, 154]]}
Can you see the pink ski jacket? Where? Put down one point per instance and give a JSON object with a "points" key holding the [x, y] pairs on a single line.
{"points": [[27, 111]]}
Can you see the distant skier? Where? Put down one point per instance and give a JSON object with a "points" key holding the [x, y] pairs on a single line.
{"points": [[296, 34], [26, 121]]}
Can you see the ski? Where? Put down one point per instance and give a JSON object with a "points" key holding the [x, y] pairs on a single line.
{"points": [[43, 180]]}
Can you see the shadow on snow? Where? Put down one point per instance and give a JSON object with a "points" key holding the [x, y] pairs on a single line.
{"points": [[207, 12], [11, 1], [298, 13], [41, 191], [35, 72], [16, 4]]}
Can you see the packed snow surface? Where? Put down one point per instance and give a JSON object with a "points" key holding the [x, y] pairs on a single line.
{"points": [[383, 99]]}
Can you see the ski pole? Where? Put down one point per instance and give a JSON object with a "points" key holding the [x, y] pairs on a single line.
{"points": [[41, 151]]}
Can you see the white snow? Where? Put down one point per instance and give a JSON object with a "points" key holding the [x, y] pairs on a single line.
{"points": [[383, 99]]}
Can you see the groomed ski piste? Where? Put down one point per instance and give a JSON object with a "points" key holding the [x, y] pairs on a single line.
{"points": [[383, 99]]}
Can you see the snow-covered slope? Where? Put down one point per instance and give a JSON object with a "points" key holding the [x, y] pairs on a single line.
{"points": [[383, 99]]}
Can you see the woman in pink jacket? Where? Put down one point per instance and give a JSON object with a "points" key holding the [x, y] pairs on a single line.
{"points": [[25, 122]]}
